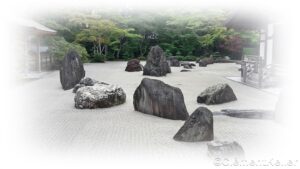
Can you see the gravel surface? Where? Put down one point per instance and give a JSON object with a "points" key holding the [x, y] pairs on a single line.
{"points": [[52, 123]]}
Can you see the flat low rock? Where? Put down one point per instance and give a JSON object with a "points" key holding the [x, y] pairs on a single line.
{"points": [[198, 127], [249, 114], [133, 65], [217, 94], [71, 70], [185, 70], [225, 149], [187, 67], [156, 98], [99, 96], [187, 64]]}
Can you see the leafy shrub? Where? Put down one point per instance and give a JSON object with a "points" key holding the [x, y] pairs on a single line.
{"points": [[110, 58], [127, 57], [232, 46], [142, 58], [168, 53], [180, 58], [186, 58], [99, 58], [178, 53], [250, 51], [58, 47], [190, 58]]}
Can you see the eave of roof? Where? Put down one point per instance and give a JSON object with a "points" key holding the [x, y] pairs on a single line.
{"points": [[35, 27]]}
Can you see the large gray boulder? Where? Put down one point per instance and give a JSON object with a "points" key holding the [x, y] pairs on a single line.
{"points": [[156, 64], [225, 149], [156, 98], [133, 65], [99, 96], [216, 94], [198, 127], [71, 70]]}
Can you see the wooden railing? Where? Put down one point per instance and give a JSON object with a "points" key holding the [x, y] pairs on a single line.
{"points": [[256, 73]]}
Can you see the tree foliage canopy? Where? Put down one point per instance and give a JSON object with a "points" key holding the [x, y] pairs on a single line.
{"points": [[127, 34]]}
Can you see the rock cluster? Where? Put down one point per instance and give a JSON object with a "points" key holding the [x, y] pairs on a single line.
{"points": [[216, 94], [202, 64], [156, 64], [174, 62], [205, 61], [71, 70], [156, 98]]}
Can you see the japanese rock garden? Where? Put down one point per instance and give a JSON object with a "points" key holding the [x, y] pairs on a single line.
{"points": [[156, 84]]}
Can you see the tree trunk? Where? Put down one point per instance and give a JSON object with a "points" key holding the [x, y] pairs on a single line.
{"points": [[105, 50], [141, 48], [118, 54]]}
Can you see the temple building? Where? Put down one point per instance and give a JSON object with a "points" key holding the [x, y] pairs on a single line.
{"points": [[265, 68], [32, 54]]}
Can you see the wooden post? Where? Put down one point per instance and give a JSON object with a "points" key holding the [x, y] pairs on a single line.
{"points": [[39, 54], [266, 46], [26, 62], [244, 71], [260, 72]]}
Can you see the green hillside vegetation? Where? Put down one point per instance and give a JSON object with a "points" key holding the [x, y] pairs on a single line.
{"points": [[99, 36]]}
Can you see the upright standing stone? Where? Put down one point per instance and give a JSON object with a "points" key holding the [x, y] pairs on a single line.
{"points": [[156, 64], [71, 70], [159, 99], [198, 127]]}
